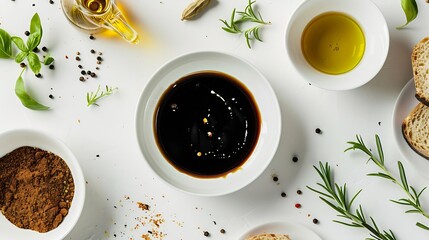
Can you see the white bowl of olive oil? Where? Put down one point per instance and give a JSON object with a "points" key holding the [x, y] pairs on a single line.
{"points": [[337, 44]]}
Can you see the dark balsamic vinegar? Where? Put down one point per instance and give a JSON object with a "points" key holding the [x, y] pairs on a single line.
{"points": [[207, 124]]}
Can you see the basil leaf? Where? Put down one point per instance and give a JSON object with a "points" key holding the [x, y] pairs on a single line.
{"points": [[5, 44], [20, 43], [49, 60], [34, 62], [410, 9], [21, 56], [26, 99], [36, 25], [33, 41]]}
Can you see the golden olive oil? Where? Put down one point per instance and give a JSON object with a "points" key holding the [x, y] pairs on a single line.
{"points": [[333, 43]]}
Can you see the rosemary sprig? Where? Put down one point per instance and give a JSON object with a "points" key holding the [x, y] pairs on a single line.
{"points": [[413, 196], [93, 97], [336, 197], [248, 15]]}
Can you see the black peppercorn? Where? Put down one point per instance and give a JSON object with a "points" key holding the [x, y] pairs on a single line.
{"points": [[88, 72], [315, 221], [45, 49], [99, 58], [91, 37], [283, 194], [92, 51], [275, 178], [23, 65], [82, 79], [27, 33], [206, 233], [79, 66], [36, 50], [51, 1], [77, 58], [52, 67], [295, 159], [299, 192], [51, 96], [83, 72], [38, 75], [93, 75], [222, 231], [318, 131]]}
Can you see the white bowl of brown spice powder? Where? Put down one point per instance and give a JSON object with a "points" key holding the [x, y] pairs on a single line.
{"points": [[42, 188]]}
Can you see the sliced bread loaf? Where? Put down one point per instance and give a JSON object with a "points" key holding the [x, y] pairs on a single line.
{"points": [[269, 236], [415, 129], [420, 64]]}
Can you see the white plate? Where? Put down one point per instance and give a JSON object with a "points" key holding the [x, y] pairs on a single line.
{"points": [[264, 97], [294, 230], [405, 103]]}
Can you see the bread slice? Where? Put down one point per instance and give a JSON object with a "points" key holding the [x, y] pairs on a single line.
{"points": [[420, 64], [269, 236], [415, 129]]}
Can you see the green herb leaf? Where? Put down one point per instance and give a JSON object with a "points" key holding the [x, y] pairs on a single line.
{"points": [[26, 99], [34, 62], [421, 225], [410, 9], [20, 43], [5, 44], [33, 41], [48, 60], [21, 56], [36, 25]]}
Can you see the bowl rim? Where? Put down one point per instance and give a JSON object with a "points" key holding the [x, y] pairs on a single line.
{"points": [[70, 159], [141, 108], [335, 81]]}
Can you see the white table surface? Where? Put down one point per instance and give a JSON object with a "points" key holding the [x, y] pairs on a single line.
{"points": [[120, 170]]}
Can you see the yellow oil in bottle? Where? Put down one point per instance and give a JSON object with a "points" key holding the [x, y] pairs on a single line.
{"points": [[333, 43]]}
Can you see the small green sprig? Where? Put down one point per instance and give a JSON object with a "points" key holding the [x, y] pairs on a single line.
{"points": [[337, 198], [25, 52], [248, 15], [93, 97], [413, 196]]}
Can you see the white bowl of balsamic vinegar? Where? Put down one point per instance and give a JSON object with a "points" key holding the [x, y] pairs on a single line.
{"points": [[208, 123]]}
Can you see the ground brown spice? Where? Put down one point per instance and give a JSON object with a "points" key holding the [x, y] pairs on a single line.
{"points": [[36, 188]]}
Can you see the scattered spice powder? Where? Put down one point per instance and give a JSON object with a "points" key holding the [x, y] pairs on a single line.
{"points": [[36, 188], [143, 206]]}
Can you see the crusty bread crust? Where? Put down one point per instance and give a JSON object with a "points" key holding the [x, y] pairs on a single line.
{"points": [[269, 236], [420, 64], [415, 129]]}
